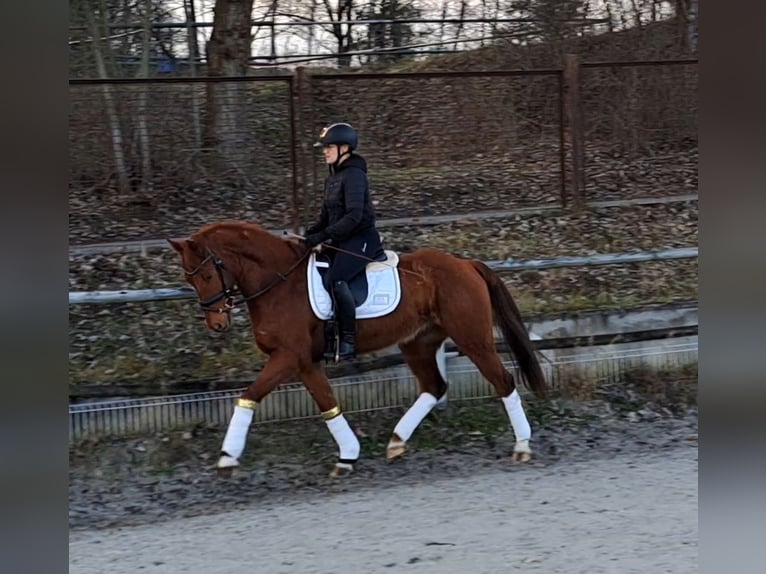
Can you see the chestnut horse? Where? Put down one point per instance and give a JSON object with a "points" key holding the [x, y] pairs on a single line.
{"points": [[442, 296]]}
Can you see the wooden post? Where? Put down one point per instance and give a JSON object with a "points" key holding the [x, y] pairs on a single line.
{"points": [[301, 129], [299, 92], [295, 134], [306, 127], [573, 131]]}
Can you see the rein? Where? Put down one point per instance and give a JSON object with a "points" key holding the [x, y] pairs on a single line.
{"points": [[227, 293], [357, 255]]}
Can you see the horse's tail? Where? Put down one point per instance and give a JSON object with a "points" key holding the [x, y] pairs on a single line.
{"points": [[508, 318]]}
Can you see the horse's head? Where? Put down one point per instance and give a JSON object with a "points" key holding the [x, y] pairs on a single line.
{"points": [[206, 273]]}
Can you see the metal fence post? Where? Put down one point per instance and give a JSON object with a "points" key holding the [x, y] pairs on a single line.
{"points": [[573, 130], [294, 112], [302, 127]]}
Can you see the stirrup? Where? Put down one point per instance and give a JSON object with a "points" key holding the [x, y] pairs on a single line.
{"points": [[330, 351]]}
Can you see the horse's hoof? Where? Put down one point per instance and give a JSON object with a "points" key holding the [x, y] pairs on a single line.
{"points": [[341, 469], [226, 465], [395, 450], [226, 472], [521, 451], [521, 457]]}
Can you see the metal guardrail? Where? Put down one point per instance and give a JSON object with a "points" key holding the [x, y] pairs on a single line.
{"points": [[165, 294], [145, 245]]}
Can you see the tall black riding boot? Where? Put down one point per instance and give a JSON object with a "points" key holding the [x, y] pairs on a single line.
{"points": [[345, 316]]}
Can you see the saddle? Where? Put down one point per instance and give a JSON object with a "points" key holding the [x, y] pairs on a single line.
{"points": [[376, 291]]}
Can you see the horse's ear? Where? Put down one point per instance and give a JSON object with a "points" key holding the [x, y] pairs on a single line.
{"points": [[177, 245]]}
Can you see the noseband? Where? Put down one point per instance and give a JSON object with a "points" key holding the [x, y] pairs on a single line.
{"points": [[227, 293]]}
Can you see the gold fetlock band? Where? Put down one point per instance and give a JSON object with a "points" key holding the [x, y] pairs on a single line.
{"points": [[247, 404], [332, 413]]}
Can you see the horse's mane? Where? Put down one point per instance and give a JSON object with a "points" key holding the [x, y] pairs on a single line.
{"points": [[247, 231], [232, 226]]}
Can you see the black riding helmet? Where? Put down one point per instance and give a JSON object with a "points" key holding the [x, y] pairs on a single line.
{"points": [[338, 134]]}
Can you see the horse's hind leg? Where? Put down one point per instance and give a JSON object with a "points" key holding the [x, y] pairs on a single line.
{"points": [[420, 354], [468, 320], [491, 367], [315, 381]]}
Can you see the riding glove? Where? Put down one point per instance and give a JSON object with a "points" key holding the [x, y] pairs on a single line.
{"points": [[315, 239]]}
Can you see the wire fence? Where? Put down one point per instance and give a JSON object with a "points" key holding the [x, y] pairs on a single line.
{"points": [[368, 392], [638, 122], [155, 156]]}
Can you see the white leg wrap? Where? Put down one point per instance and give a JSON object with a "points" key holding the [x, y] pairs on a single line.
{"points": [[518, 418], [348, 444], [236, 435], [414, 416]]}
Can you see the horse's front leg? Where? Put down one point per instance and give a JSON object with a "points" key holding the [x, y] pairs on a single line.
{"points": [[280, 368], [320, 389]]}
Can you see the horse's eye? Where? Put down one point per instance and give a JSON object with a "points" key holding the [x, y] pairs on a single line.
{"points": [[206, 276]]}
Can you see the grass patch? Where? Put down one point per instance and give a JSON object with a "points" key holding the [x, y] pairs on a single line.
{"points": [[674, 389]]}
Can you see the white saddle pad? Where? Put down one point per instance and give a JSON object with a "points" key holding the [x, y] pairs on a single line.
{"points": [[384, 290]]}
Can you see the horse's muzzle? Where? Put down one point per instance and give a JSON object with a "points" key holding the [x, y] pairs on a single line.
{"points": [[219, 323]]}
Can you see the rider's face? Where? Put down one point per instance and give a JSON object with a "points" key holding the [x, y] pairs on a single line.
{"points": [[331, 153]]}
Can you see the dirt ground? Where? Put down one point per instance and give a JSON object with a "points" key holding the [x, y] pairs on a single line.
{"points": [[636, 512], [612, 488]]}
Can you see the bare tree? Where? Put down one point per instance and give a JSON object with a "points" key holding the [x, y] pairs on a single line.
{"points": [[312, 15], [685, 11], [228, 54], [636, 13], [193, 47], [143, 128], [342, 34], [114, 122], [443, 18], [610, 17], [388, 35], [460, 24], [191, 31], [273, 30]]}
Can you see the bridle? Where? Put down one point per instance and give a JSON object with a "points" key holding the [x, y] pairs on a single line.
{"points": [[227, 294]]}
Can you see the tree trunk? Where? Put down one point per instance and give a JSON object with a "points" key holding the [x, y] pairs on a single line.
{"points": [[228, 54], [460, 24], [444, 17], [191, 19], [692, 30], [143, 128], [193, 47], [273, 9], [636, 14], [312, 17], [610, 17], [342, 37], [111, 110], [686, 18]]}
